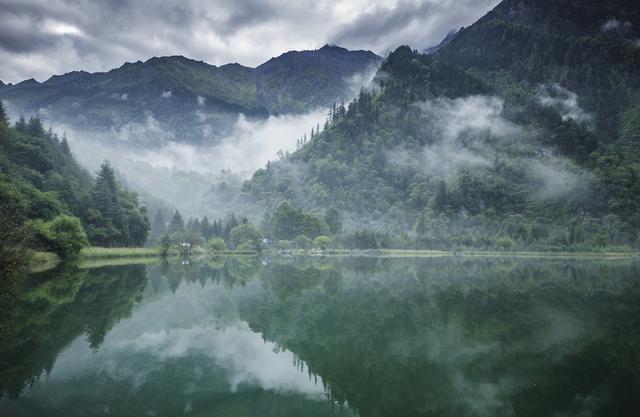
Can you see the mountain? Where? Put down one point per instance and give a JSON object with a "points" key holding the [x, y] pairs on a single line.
{"points": [[446, 41], [185, 96], [522, 131]]}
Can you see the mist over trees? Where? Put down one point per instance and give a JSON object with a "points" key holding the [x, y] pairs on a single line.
{"points": [[48, 193]]}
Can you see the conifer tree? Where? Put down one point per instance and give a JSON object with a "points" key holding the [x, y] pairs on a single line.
{"points": [[158, 226], [64, 145], [21, 124], [176, 224], [4, 117], [35, 128]]}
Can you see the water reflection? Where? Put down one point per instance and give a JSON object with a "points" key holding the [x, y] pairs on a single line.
{"points": [[376, 337]]}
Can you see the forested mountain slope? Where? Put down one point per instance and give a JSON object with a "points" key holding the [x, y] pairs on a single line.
{"points": [[42, 187], [523, 128], [184, 95]]}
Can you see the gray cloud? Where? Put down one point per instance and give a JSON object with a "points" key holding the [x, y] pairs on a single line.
{"points": [[39, 38]]}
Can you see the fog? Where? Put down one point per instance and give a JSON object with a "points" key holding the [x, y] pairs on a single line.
{"points": [[252, 144], [472, 132], [564, 101], [196, 179]]}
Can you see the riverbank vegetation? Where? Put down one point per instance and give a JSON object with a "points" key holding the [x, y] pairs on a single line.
{"points": [[49, 203]]}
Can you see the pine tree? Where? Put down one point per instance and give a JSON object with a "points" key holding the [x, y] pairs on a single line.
{"points": [[4, 117], [35, 127], [205, 228], [176, 224], [158, 226], [21, 124], [64, 145]]}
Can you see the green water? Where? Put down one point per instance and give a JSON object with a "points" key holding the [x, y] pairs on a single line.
{"points": [[446, 336]]}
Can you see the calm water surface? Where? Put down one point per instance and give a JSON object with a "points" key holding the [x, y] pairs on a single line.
{"points": [[231, 337]]}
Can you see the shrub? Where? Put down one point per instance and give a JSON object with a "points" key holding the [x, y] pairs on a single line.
{"points": [[216, 244], [322, 242], [243, 233], [303, 242], [63, 235]]}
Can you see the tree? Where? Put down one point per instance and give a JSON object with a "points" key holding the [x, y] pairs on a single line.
{"points": [[158, 226], [64, 145], [333, 218], [176, 225], [64, 235], [216, 244], [108, 224], [21, 124], [14, 242], [165, 245], [34, 127], [4, 117], [205, 228], [302, 242], [322, 242], [245, 233]]}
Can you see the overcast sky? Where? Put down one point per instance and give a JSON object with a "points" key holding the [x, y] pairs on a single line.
{"points": [[39, 38]]}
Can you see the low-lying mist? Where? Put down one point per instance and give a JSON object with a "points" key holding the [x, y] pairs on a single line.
{"points": [[197, 179]]}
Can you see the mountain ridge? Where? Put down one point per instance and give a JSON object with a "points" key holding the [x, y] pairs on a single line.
{"points": [[178, 90]]}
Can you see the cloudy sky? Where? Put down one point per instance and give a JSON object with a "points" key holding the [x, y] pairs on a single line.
{"points": [[39, 38]]}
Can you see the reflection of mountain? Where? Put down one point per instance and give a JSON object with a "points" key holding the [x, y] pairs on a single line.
{"points": [[459, 337], [47, 311], [182, 351], [380, 337]]}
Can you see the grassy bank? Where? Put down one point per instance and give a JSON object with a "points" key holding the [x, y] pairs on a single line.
{"points": [[105, 253], [399, 253]]}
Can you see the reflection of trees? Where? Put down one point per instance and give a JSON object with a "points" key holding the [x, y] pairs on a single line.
{"points": [[454, 336], [227, 271], [43, 313]]}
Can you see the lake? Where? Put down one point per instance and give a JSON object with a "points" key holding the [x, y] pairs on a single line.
{"points": [[441, 336]]}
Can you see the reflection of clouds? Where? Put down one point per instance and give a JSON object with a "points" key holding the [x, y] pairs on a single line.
{"points": [[181, 325], [247, 358]]}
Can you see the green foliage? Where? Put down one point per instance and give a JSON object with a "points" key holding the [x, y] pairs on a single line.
{"points": [[333, 219], [322, 242], [14, 244], [176, 225], [64, 235], [115, 217], [303, 242], [246, 235], [287, 222], [388, 161], [216, 244]]}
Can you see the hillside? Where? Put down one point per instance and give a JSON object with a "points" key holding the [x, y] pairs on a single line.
{"points": [[186, 97], [512, 133], [45, 194]]}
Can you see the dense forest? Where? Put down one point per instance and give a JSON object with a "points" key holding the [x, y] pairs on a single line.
{"points": [[48, 202], [494, 141]]}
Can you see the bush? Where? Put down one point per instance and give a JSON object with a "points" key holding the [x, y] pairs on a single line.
{"points": [[303, 242], [504, 243], [63, 235], [243, 233], [216, 244], [322, 242], [246, 246]]}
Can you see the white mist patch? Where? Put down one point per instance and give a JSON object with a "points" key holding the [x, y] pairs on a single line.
{"points": [[558, 177], [471, 132], [564, 101], [457, 127], [251, 145], [364, 79]]}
